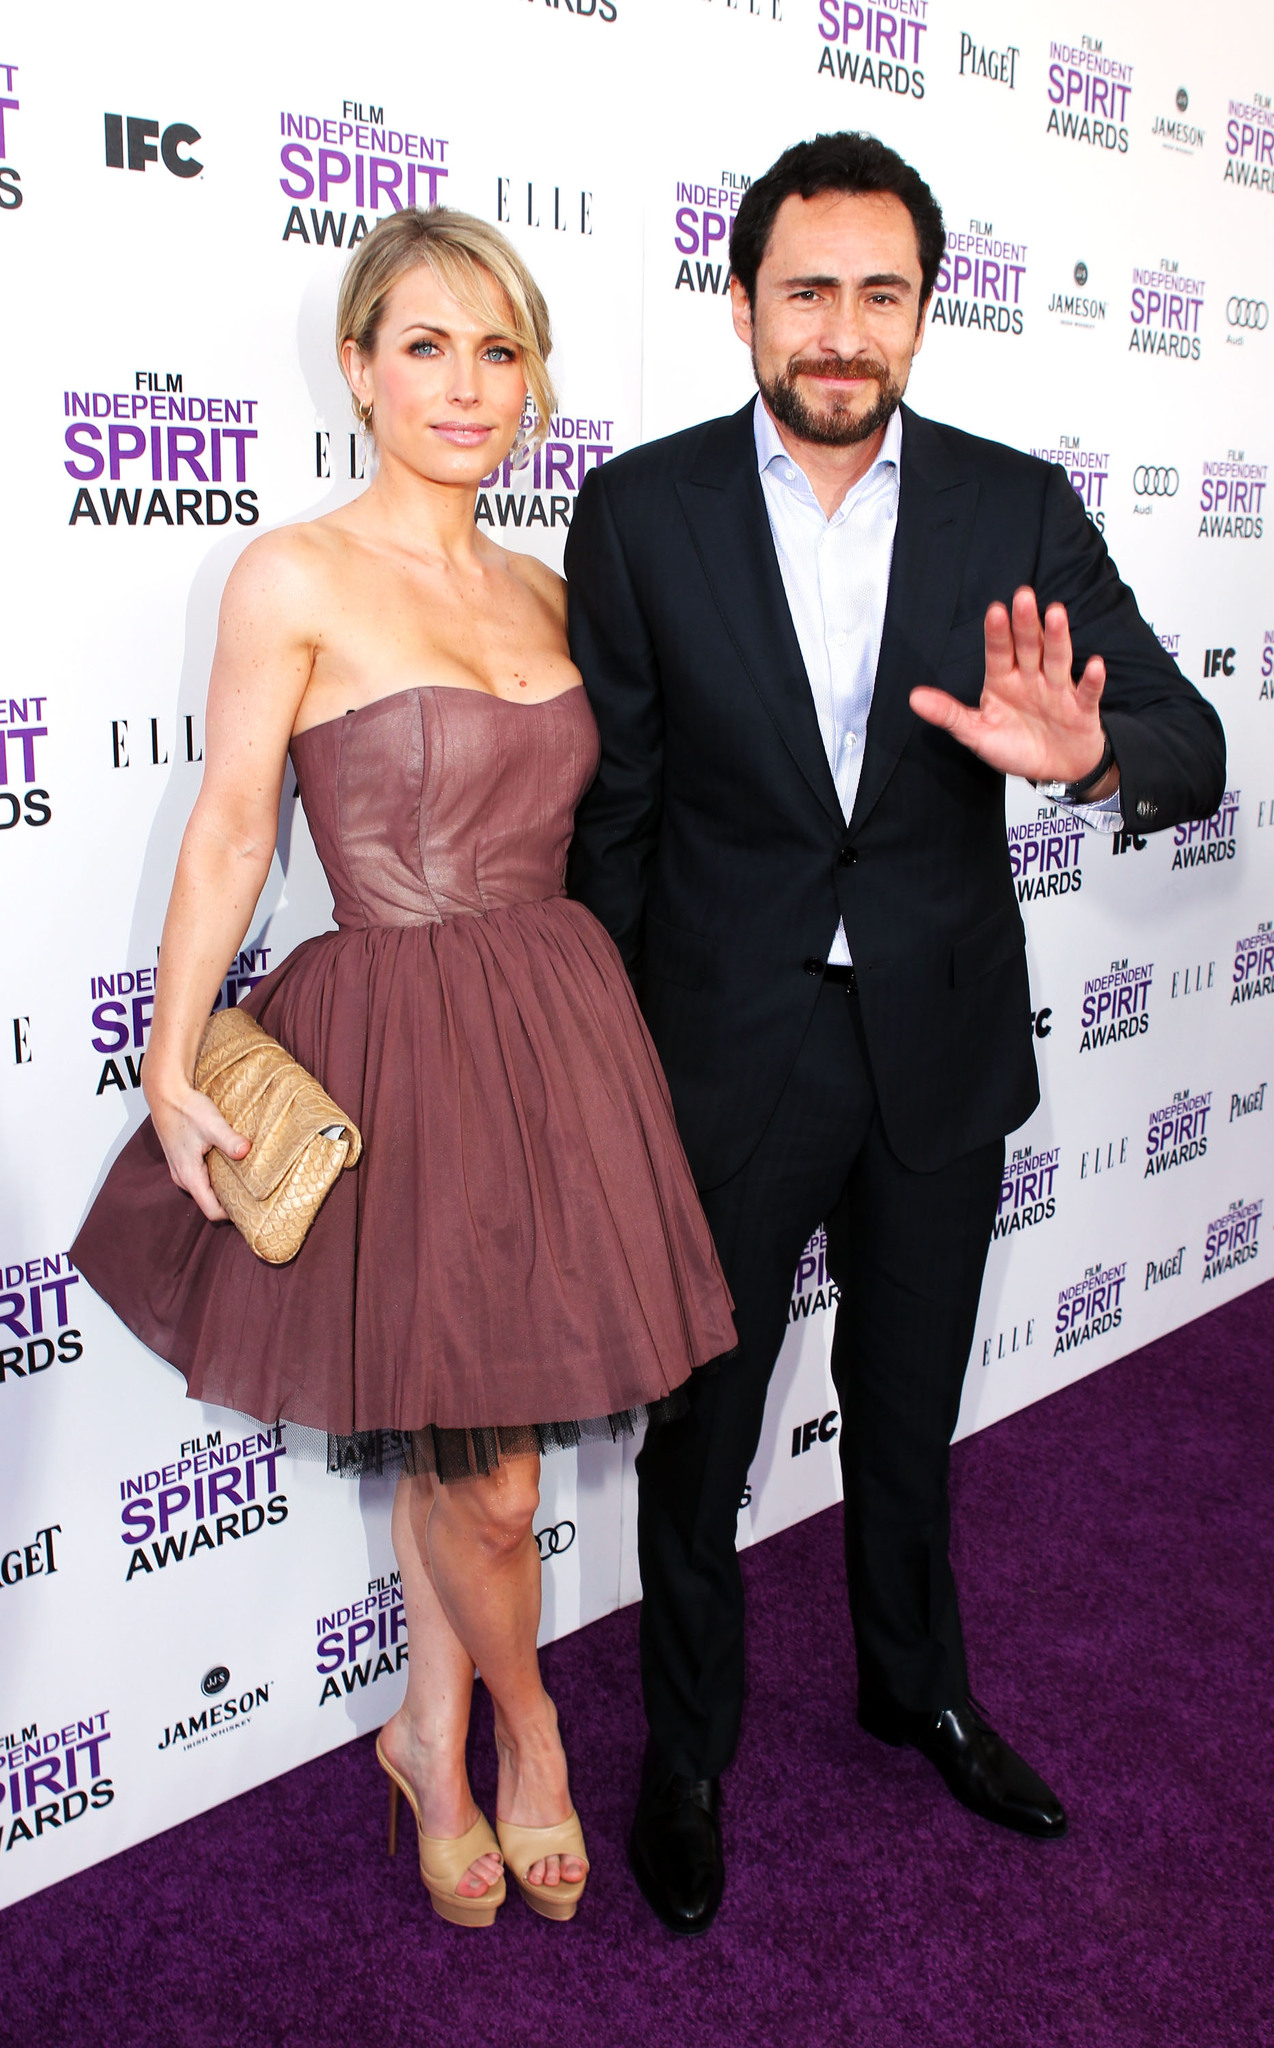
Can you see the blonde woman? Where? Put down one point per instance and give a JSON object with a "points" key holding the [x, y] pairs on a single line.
{"points": [[520, 1258]]}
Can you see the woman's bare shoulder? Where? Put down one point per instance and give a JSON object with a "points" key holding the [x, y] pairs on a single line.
{"points": [[545, 582], [283, 574]]}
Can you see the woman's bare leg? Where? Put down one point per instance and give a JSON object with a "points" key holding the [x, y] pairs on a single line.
{"points": [[486, 1575], [425, 1739]]}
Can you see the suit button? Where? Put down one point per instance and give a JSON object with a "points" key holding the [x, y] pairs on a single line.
{"points": [[847, 857], [814, 966]]}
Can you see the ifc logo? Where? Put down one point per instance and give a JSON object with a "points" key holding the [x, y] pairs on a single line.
{"points": [[214, 1681], [1081, 273]]}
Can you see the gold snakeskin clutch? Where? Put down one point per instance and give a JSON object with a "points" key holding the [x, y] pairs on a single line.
{"points": [[301, 1141]]}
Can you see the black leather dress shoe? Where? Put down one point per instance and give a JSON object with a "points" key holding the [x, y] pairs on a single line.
{"points": [[978, 1767], [675, 1848]]}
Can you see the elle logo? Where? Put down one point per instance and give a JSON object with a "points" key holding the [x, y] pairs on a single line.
{"points": [[140, 135]]}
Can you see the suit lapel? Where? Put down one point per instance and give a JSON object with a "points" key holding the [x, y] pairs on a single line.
{"points": [[937, 499], [724, 507]]}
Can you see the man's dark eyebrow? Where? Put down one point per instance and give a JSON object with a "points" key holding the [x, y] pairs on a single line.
{"points": [[884, 277]]}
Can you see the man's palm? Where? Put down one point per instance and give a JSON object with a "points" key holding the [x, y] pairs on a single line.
{"points": [[1033, 720]]}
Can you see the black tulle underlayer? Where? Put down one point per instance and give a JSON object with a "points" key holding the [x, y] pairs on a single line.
{"points": [[451, 1454]]}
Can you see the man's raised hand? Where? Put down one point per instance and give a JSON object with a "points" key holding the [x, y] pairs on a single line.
{"points": [[1032, 720]]}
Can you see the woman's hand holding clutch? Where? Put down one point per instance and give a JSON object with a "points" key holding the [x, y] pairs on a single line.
{"points": [[188, 1125]]}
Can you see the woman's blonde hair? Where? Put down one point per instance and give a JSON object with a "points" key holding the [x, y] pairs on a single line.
{"points": [[476, 264]]}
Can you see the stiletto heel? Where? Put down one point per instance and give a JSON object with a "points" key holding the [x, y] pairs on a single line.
{"points": [[444, 1860], [521, 1847]]}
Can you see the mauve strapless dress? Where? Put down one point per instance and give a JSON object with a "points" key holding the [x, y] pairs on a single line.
{"points": [[520, 1258]]}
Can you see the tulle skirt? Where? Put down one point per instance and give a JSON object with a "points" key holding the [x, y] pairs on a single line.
{"points": [[518, 1262]]}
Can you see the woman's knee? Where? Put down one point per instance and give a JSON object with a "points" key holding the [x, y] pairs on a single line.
{"points": [[503, 1506]]}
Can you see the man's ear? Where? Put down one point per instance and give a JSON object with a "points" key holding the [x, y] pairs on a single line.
{"points": [[918, 343], [741, 310]]}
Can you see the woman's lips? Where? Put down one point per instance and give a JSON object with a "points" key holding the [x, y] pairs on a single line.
{"points": [[464, 437]]}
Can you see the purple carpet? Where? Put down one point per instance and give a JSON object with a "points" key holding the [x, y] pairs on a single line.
{"points": [[1114, 1552]]}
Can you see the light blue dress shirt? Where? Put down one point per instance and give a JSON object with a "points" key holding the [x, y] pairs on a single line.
{"points": [[836, 576]]}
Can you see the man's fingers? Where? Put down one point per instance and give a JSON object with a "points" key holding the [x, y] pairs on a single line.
{"points": [[1028, 634], [937, 708], [1091, 684], [998, 634], [1058, 654]]}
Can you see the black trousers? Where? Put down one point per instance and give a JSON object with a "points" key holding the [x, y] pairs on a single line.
{"points": [[907, 1251]]}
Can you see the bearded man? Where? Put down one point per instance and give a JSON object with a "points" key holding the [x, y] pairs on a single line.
{"points": [[817, 636]]}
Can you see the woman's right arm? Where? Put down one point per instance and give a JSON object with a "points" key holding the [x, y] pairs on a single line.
{"points": [[266, 642]]}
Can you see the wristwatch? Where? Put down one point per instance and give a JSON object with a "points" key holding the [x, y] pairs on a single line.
{"points": [[1075, 792]]}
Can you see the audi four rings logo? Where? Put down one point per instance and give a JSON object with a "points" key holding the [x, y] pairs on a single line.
{"points": [[1150, 482], [552, 1542], [1252, 313]]}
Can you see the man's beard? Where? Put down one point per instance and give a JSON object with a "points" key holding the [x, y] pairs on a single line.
{"points": [[835, 426]]}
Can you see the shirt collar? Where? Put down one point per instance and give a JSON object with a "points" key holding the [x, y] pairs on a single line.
{"points": [[773, 457]]}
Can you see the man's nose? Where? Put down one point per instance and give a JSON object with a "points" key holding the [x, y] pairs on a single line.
{"points": [[841, 333]]}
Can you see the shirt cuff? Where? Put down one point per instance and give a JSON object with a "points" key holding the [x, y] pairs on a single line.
{"points": [[1106, 816]]}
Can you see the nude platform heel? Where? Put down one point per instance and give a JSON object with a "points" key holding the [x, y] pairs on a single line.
{"points": [[521, 1847], [443, 1861]]}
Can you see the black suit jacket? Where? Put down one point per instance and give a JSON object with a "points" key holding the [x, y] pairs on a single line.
{"points": [[712, 845]]}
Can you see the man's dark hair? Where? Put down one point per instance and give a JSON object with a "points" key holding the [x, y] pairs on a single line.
{"points": [[835, 163]]}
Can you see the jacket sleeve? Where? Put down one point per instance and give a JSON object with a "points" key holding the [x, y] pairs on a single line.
{"points": [[1168, 740], [617, 823]]}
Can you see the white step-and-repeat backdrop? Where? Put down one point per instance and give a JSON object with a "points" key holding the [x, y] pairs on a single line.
{"points": [[186, 1605]]}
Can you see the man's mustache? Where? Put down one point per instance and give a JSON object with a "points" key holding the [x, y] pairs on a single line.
{"points": [[836, 366]]}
